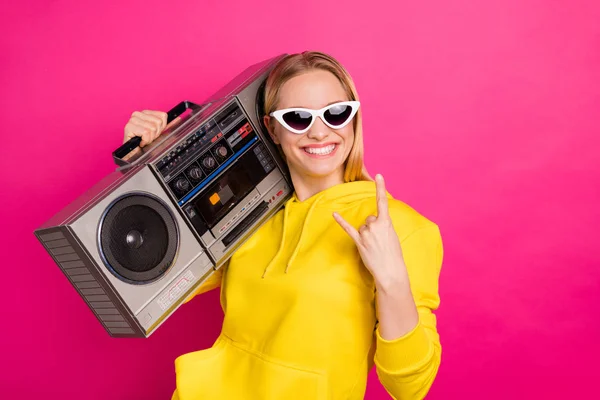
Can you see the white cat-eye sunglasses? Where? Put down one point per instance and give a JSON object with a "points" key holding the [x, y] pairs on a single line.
{"points": [[299, 120]]}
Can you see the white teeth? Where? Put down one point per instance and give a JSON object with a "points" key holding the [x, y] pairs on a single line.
{"points": [[321, 150]]}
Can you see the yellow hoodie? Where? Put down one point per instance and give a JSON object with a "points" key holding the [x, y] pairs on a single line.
{"points": [[300, 312]]}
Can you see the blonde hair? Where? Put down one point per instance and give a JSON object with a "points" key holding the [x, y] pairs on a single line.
{"points": [[296, 64]]}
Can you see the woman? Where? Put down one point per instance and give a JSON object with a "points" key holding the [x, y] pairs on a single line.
{"points": [[343, 277]]}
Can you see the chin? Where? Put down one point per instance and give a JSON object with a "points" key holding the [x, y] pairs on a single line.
{"points": [[319, 172]]}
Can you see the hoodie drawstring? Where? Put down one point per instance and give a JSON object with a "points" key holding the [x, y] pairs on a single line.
{"points": [[285, 213], [291, 260], [282, 243]]}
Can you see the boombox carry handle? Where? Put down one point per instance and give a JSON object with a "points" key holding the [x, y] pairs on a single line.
{"points": [[120, 154]]}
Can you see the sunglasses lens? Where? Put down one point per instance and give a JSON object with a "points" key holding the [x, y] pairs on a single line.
{"points": [[297, 119], [338, 114]]}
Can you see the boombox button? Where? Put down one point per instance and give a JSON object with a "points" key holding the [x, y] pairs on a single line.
{"points": [[190, 212], [279, 193]]}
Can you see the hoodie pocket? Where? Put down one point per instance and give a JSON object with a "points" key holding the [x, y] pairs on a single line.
{"points": [[229, 371]]}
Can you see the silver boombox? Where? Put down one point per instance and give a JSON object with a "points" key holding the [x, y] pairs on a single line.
{"points": [[139, 242]]}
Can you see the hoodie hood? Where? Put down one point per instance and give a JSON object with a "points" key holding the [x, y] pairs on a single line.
{"points": [[331, 199]]}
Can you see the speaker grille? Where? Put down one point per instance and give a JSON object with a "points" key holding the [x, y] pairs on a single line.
{"points": [[138, 238], [89, 288]]}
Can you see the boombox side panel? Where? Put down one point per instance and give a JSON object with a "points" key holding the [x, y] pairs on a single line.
{"points": [[91, 285]]}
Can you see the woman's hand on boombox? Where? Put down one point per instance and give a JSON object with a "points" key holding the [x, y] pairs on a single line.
{"points": [[147, 124]]}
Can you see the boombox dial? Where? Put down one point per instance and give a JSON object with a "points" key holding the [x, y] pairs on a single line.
{"points": [[195, 173], [209, 163], [221, 151], [182, 185]]}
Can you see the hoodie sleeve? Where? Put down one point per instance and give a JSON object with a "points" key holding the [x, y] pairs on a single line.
{"points": [[408, 365]]}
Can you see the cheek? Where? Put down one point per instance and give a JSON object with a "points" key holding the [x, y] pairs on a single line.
{"points": [[285, 138], [287, 141], [347, 135]]}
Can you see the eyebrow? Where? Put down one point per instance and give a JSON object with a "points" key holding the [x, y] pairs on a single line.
{"points": [[333, 102]]}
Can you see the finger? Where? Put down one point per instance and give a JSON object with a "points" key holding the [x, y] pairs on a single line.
{"points": [[370, 219], [132, 129], [163, 116], [146, 138], [146, 115], [382, 200], [364, 229], [150, 127], [350, 230], [159, 116], [144, 134], [155, 121], [154, 112]]}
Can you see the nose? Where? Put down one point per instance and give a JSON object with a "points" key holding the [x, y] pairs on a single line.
{"points": [[318, 131]]}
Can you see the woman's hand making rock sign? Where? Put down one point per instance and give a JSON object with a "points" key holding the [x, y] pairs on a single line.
{"points": [[377, 241], [380, 250]]}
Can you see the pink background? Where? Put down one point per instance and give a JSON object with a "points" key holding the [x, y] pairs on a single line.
{"points": [[482, 115]]}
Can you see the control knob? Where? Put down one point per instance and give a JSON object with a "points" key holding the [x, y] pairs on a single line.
{"points": [[209, 162], [195, 173], [182, 185], [222, 151]]}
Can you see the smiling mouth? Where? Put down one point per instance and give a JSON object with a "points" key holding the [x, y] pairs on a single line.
{"points": [[320, 151]]}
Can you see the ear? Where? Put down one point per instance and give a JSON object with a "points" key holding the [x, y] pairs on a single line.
{"points": [[267, 122]]}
